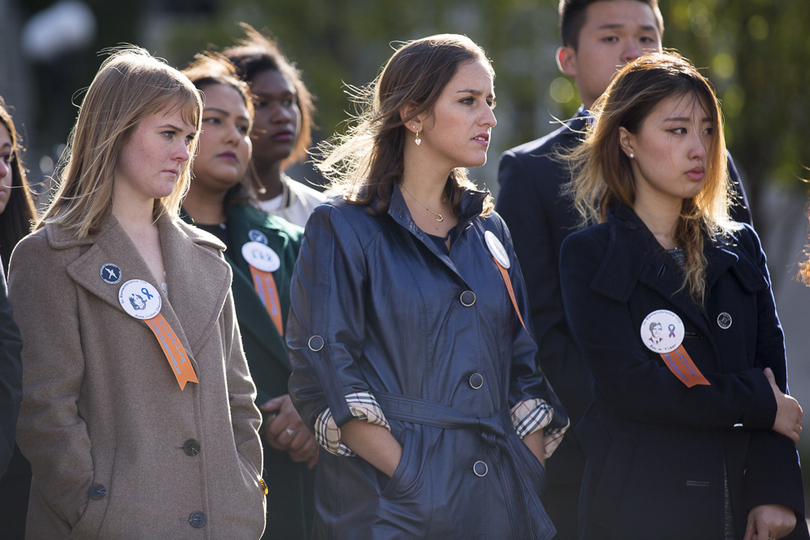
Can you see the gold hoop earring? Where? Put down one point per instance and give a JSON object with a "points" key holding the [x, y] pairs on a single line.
{"points": [[417, 140]]}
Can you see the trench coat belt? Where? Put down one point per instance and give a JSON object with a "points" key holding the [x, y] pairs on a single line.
{"points": [[495, 431]]}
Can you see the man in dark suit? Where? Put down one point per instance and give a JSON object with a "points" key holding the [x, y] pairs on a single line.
{"points": [[598, 37]]}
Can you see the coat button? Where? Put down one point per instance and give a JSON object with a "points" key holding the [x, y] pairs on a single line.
{"points": [[476, 381], [467, 298], [191, 447], [630, 225], [97, 491], [480, 469], [197, 519], [315, 343], [724, 321]]}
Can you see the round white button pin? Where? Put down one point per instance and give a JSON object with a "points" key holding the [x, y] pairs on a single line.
{"points": [[496, 249], [140, 299], [260, 256], [662, 331]]}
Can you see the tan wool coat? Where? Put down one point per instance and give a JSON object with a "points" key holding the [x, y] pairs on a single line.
{"points": [[117, 449]]}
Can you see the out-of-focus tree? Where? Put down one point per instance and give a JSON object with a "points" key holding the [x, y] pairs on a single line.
{"points": [[756, 53]]}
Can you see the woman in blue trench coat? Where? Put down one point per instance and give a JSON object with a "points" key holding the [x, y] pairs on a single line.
{"points": [[691, 433], [409, 355]]}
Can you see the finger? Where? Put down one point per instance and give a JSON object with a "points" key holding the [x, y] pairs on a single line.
{"points": [[769, 376], [273, 442], [273, 404], [749, 529]]}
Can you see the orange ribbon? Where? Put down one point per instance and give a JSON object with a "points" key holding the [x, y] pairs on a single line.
{"points": [[508, 282], [681, 365], [173, 349], [266, 289]]}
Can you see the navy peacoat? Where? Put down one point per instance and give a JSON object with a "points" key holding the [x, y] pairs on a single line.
{"points": [[378, 307], [539, 219], [657, 450]]}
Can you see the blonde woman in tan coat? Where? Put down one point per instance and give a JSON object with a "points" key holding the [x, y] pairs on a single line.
{"points": [[138, 414]]}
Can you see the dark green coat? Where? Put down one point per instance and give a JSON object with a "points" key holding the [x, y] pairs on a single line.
{"points": [[290, 497]]}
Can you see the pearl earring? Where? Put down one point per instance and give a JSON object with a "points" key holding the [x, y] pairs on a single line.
{"points": [[632, 155]]}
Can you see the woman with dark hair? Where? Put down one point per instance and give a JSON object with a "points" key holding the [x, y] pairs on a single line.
{"points": [[691, 433], [410, 359], [282, 126], [138, 416], [221, 201], [17, 214]]}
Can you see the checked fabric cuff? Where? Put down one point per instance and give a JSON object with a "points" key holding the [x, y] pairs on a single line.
{"points": [[533, 414], [363, 406]]}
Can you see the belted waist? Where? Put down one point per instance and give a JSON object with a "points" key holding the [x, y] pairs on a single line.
{"points": [[422, 411], [494, 431]]}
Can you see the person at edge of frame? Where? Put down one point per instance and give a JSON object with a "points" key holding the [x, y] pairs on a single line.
{"points": [[598, 37], [17, 214]]}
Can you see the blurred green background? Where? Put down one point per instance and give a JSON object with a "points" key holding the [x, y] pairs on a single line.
{"points": [[756, 52]]}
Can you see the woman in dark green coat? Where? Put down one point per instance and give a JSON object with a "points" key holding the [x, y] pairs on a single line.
{"points": [[261, 250]]}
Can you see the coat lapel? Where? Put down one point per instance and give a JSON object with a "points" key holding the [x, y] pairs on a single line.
{"points": [[111, 245], [184, 259], [632, 257], [252, 314], [193, 271]]}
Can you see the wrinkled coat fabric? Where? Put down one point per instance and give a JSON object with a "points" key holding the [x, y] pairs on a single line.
{"points": [[657, 449], [387, 303]]}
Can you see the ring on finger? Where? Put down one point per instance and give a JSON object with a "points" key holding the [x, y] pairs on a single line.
{"points": [[290, 432]]}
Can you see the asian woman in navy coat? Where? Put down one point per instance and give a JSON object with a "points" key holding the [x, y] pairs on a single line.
{"points": [[410, 360], [691, 433]]}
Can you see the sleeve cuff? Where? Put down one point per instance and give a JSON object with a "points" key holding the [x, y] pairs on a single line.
{"points": [[362, 406], [535, 414]]}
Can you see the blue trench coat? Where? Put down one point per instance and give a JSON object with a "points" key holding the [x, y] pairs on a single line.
{"points": [[378, 307], [657, 449]]}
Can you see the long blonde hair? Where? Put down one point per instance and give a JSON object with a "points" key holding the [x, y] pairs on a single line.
{"points": [[602, 175], [130, 85], [365, 164]]}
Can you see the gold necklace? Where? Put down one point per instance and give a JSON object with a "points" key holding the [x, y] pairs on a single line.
{"points": [[439, 217]]}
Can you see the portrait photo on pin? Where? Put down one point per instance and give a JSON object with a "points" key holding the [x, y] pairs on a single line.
{"points": [[662, 331], [139, 299]]}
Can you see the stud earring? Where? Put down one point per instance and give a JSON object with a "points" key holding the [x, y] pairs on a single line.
{"points": [[417, 140], [632, 155]]}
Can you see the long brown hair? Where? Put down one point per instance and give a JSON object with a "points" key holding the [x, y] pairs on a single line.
{"points": [[130, 85], [602, 173], [365, 164], [257, 53], [18, 217]]}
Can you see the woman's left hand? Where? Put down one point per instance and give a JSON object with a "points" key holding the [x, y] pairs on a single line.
{"points": [[285, 430], [536, 444], [769, 522]]}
